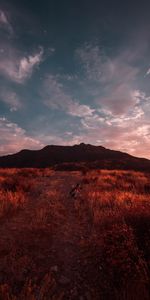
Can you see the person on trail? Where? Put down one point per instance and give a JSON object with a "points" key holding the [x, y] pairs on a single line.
{"points": [[75, 190]]}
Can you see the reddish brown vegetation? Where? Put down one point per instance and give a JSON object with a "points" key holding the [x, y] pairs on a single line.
{"points": [[69, 235]]}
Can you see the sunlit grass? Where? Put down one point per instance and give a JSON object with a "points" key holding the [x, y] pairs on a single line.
{"points": [[102, 230]]}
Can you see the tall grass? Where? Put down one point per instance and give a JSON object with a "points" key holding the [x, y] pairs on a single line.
{"points": [[100, 237]]}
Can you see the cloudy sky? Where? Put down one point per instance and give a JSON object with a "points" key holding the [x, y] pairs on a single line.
{"points": [[75, 71]]}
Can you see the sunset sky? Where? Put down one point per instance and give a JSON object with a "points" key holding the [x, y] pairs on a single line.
{"points": [[75, 71]]}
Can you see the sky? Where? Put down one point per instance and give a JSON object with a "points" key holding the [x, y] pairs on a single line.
{"points": [[75, 71]]}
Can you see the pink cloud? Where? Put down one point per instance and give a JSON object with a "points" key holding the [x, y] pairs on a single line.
{"points": [[14, 138], [55, 97]]}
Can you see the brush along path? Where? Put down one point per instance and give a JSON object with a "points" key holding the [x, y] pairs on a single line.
{"points": [[44, 237]]}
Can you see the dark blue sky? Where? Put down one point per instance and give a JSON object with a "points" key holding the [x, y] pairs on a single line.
{"points": [[75, 71]]}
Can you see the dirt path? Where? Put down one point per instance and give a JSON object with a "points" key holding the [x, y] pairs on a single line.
{"points": [[66, 241]]}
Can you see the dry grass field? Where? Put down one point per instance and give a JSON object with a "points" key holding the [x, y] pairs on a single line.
{"points": [[69, 235]]}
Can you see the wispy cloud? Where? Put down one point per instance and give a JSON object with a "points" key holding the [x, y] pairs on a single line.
{"points": [[101, 68], [132, 136], [111, 78], [148, 72], [15, 138], [55, 97], [4, 22], [121, 99], [19, 69], [129, 133], [11, 99]]}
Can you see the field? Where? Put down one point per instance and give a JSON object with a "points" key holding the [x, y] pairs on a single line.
{"points": [[74, 235]]}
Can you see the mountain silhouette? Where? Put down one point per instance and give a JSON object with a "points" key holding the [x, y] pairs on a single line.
{"points": [[74, 157]]}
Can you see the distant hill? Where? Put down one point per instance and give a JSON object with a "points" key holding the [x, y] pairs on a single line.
{"points": [[74, 157]]}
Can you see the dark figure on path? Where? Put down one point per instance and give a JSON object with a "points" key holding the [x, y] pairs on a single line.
{"points": [[75, 190]]}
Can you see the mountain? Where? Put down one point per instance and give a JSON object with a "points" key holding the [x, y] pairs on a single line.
{"points": [[74, 157]]}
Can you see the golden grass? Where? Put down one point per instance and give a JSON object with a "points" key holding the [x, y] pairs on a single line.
{"points": [[98, 237], [10, 201]]}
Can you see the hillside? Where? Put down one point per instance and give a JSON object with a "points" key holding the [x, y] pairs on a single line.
{"points": [[74, 157]]}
